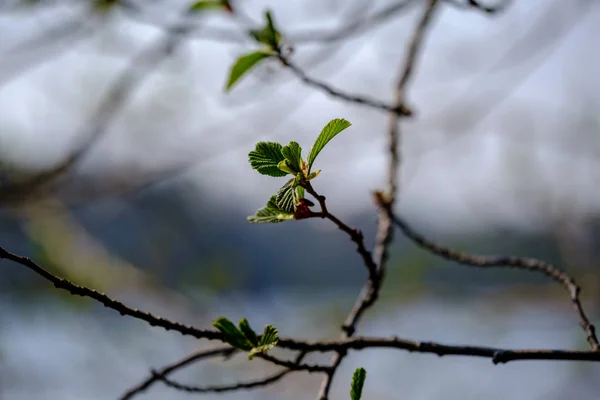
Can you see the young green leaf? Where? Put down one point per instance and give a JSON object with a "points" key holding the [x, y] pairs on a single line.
{"points": [[285, 167], [293, 155], [300, 191], [209, 5], [269, 34], [232, 334], [330, 130], [266, 157], [268, 340], [244, 64], [286, 197], [358, 381], [271, 213], [248, 332]]}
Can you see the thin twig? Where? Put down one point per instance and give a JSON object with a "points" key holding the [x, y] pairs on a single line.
{"points": [[355, 234], [83, 291], [370, 291], [225, 351], [398, 109], [529, 264], [261, 382], [498, 355]]}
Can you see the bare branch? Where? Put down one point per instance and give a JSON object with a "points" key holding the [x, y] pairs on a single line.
{"points": [[225, 351], [529, 264], [253, 384], [355, 234], [497, 355], [83, 291], [398, 109], [370, 291]]}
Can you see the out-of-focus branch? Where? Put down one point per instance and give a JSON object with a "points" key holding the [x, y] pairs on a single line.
{"points": [[477, 5], [397, 109], [225, 351], [123, 309], [16, 192], [370, 291], [529, 264]]}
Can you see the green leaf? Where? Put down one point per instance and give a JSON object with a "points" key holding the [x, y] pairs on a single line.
{"points": [[358, 381], [330, 130], [232, 334], [244, 64], [293, 155], [300, 191], [208, 5], [271, 213], [285, 167], [269, 34], [248, 332], [268, 340], [286, 197], [266, 157]]}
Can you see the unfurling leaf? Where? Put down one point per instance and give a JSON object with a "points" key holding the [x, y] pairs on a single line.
{"points": [[271, 213], [244, 64], [266, 157], [248, 332], [269, 34], [358, 381], [268, 340], [286, 197], [210, 5], [232, 334], [330, 130], [293, 155], [285, 167]]}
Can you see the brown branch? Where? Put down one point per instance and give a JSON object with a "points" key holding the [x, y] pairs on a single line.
{"points": [[370, 291], [529, 264], [497, 355], [398, 109], [355, 234], [476, 5], [225, 351], [230, 388], [83, 291], [295, 365]]}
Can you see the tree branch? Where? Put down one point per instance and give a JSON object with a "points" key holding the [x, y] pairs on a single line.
{"points": [[398, 109], [83, 291], [529, 264], [233, 387], [225, 351], [497, 355], [370, 291]]}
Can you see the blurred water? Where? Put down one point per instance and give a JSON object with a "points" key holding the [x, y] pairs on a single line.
{"points": [[53, 350]]}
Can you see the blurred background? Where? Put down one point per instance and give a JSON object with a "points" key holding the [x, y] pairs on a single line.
{"points": [[123, 166]]}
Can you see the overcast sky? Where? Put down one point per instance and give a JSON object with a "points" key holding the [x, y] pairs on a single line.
{"points": [[507, 107]]}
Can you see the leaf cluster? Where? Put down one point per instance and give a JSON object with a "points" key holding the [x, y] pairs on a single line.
{"points": [[276, 160], [244, 338]]}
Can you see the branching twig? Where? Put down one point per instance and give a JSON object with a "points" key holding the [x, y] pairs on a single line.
{"points": [[529, 264], [225, 351], [230, 388], [83, 291], [398, 109], [370, 291], [355, 234]]}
